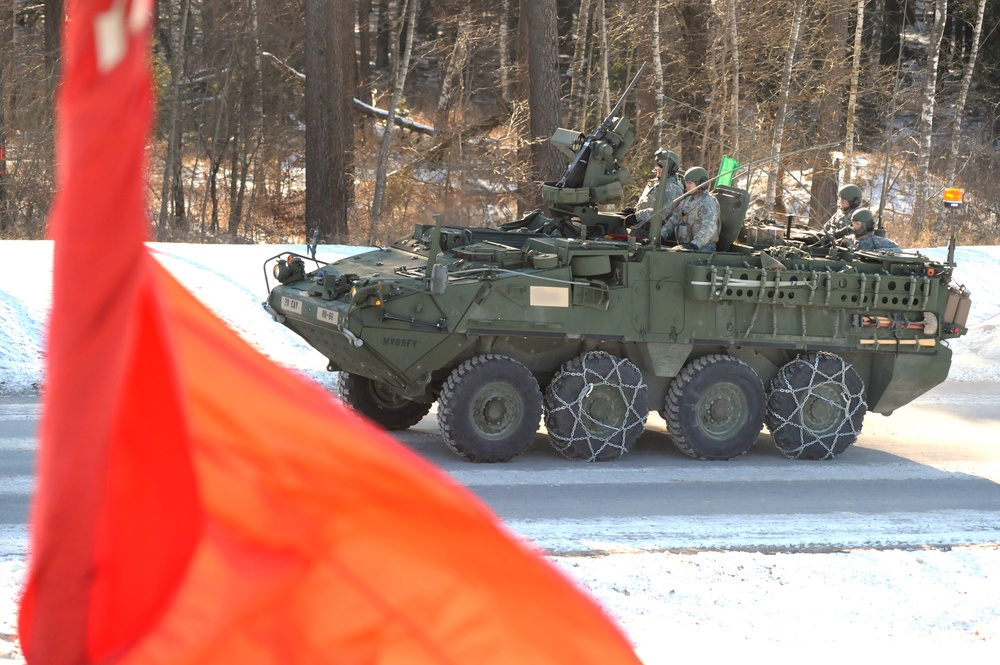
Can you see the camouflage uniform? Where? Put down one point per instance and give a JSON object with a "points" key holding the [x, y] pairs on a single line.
{"points": [[874, 243], [647, 204], [839, 220], [695, 220]]}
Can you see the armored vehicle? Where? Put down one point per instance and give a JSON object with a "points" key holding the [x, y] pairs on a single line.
{"points": [[571, 317]]}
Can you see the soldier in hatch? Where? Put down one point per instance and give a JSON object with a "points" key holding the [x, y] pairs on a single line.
{"points": [[694, 223], [667, 166], [850, 200], [865, 237]]}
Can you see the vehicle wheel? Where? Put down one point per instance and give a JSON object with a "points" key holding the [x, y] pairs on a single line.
{"points": [[489, 409], [596, 407], [379, 402], [816, 407], [715, 408]]}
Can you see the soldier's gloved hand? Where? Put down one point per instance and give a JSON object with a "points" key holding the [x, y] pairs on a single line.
{"points": [[630, 219], [690, 245]]}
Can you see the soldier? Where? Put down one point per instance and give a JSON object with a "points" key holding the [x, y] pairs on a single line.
{"points": [[667, 162], [850, 200], [694, 223], [864, 226]]}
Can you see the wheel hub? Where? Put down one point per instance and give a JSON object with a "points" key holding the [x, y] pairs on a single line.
{"points": [[604, 409], [825, 409], [723, 410], [496, 410]]}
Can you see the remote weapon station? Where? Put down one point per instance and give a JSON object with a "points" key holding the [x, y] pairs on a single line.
{"points": [[566, 316]]}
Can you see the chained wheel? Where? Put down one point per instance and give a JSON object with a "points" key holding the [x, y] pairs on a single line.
{"points": [[816, 407], [596, 407], [715, 408], [489, 409], [379, 402]]}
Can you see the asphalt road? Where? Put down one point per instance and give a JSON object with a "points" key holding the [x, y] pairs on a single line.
{"points": [[928, 474]]}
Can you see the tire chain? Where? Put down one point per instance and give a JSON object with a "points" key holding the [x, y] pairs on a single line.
{"points": [[828, 442], [611, 376]]}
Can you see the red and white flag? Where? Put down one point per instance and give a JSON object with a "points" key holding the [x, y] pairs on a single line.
{"points": [[197, 503]]}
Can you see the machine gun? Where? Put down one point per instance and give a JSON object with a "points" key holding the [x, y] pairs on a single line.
{"points": [[577, 168]]}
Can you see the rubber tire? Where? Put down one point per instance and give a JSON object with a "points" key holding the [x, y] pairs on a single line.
{"points": [[715, 408], [798, 414], [601, 381], [489, 409], [380, 403]]}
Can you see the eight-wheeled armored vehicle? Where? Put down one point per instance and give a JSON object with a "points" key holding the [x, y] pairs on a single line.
{"points": [[568, 315]]}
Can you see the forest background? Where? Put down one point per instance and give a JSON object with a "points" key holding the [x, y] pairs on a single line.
{"points": [[359, 118]]}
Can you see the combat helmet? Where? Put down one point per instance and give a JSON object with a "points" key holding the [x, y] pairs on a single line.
{"points": [[852, 194], [865, 217], [697, 175], [668, 160]]}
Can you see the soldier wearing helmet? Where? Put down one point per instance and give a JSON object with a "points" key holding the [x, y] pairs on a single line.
{"points": [[662, 189], [850, 200], [865, 238], [694, 223]]}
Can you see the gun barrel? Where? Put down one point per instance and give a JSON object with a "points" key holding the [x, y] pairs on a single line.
{"points": [[575, 171]]}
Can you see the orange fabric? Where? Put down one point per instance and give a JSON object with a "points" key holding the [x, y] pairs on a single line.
{"points": [[197, 504]]}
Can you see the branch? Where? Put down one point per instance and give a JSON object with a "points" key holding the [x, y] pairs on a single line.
{"points": [[405, 123]]}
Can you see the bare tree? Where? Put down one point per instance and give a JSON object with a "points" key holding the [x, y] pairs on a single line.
{"points": [[602, 30], [400, 66], [829, 129], [922, 187], [172, 188], [6, 39], [852, 99], [732, 36], [53, 37], [330, 87], [779, 119], [577, 89], [543, 75], [963, 95]]}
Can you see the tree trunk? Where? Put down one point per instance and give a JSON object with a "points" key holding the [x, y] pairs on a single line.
{"points": [[734, 49], [319, 120], [577, 102], [956, 129], [779, 120], [602, 28], [454, 69], [365, 80], [503, 45], [401, 64], [823, 199], [53, 34], [543, 99], [6, 47], [852, 99], [330, 87], [388, 10], [171, 168], [963, 95], [922, 185]]}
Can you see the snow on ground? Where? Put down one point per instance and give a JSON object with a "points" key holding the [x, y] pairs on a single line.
{"points": [[754, 594]]}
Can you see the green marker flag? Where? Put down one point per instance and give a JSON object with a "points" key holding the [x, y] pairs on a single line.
{"points": [[727, 167]]}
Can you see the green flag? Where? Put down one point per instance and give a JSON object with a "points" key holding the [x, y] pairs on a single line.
{"points": [[726, 170]]}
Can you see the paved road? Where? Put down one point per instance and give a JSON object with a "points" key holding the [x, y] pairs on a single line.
{"points": [[928, 475], [18, 427]]}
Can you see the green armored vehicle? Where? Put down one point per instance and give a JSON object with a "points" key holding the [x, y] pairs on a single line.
{"points": [[570, 317]]}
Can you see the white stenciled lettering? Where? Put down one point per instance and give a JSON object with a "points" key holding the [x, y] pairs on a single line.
{"points": [[291, 305], [328, 315]]}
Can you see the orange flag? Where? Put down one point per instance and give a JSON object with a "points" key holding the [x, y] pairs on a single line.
{"points": [[198, 504]]}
